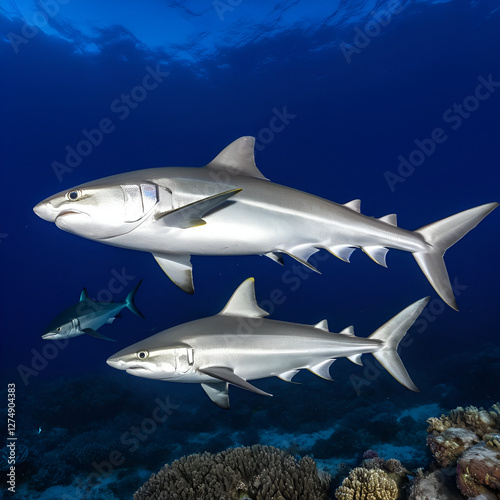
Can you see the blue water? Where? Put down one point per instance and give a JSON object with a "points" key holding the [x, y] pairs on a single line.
{"points": [[341, 97]]}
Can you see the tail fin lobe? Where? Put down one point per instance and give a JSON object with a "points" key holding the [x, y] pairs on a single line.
{"points": [[129, 301], [440, 236], [391, 333]]}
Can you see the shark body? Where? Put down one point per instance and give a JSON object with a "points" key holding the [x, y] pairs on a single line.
{"points": [[228, 207], [87, 316], [238, 345]]}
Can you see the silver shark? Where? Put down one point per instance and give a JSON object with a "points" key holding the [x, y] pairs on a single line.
{"points": [[87, 316], [229, 208], [238, 345]]}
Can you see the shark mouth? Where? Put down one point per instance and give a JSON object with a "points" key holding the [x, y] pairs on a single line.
{"points": [[68, 219], [140, 371]]}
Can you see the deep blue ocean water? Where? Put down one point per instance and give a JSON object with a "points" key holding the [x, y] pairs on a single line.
{"points": [[370, 100]]}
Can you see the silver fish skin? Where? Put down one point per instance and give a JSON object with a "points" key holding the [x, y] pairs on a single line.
{"points": [[238, 344], [229, 207]]}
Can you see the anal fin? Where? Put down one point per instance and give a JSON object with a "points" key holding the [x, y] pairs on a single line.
{"points": [[287, 376], [355, 358], [322, 369], [178, 268], [377, 254], [342, 252]]}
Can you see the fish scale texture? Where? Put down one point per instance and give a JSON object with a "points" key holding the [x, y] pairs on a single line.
{"points": [[255, 473]]}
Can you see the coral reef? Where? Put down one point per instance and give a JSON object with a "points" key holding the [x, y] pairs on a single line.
{"points": [[439, 484], [257, 473], [367, 484], [477, 420], [478, 471], [447, 446], [466, 445], [375, 478]]}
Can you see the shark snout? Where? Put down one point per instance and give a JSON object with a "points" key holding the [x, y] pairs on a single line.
{"points": [[45, 211], [117, 363]]}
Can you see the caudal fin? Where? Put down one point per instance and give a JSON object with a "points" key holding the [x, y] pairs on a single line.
{"points": [[129, 301], [391, 334], [440, 236]]}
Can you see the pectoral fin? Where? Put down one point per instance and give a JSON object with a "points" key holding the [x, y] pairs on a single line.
{"points": [[98, 335], [217, 392], [178, 268], [227, 375], [191, 215]]}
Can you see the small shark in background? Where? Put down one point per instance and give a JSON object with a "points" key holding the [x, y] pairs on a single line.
{"points": [[228, 207], [87, 316], [237, 345]]}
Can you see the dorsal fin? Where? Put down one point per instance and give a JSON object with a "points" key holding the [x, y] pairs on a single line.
{"points": [[391, 219], [354, 205], [322, 325], [238, 159], [348, 331], [84, 295], [243, 303]]}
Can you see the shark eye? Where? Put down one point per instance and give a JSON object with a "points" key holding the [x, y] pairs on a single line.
{"points": [[142, 354], [74, 195], [58, 328]]}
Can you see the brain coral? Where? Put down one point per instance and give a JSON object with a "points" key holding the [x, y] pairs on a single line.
{"points": [[253, 473], [367, 484]]}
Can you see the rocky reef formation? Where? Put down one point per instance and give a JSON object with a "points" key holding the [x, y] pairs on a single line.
{"points": [[251, 473], [465, 445]]}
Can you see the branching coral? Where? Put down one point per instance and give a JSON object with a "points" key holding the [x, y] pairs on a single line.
{"points": [[367, 484], [256, 473]]}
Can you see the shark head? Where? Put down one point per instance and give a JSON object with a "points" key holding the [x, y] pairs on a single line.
{"points": [[145, 360], [101, 209], [62, 329]]}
